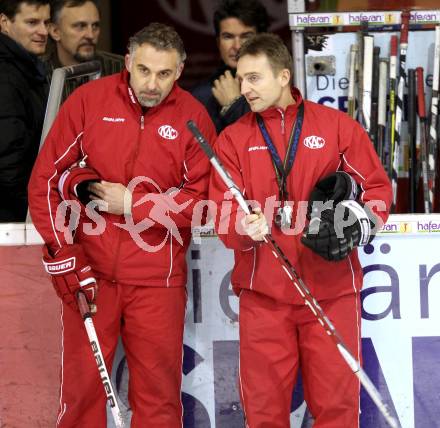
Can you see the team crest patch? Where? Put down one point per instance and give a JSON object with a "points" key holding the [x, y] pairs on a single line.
{"points": [[168, 132], [314, 142]]}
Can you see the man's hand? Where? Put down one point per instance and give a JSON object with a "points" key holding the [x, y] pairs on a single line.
{"points": [[71, 274], [255, 225], [226, 89], [113, 198]]}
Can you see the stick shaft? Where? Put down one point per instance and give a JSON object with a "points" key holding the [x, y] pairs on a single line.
{"points": [[423, 142], [375, 97], [393, 75], [382, 109], [351, 83], [412, 138], [100, 362], [368, 81], [433, 142], [399, 102]]}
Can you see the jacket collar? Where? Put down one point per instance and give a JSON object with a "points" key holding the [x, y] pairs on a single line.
{"points": [[28, 63], [291, 108], [128, 94]]}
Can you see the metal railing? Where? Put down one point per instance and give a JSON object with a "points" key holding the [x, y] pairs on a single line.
{"points": [[86, 71]]}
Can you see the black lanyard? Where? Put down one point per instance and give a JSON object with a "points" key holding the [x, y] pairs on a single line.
{"points": [[282, 169]]}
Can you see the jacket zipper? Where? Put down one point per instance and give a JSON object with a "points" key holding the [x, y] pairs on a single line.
{"points": [[118, 248], [282, 121]]}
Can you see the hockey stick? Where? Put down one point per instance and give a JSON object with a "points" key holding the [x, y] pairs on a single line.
{"points": [[382, 108], [393, 74], [368, 81], [351, 83], [375, 97], [423, 142], [363, 31], [412, 140], [433, 143], [399, 103], [302, 289], [99, 358]]}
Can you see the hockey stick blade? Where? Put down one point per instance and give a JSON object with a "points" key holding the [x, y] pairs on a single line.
{"points": [[302, 289]]}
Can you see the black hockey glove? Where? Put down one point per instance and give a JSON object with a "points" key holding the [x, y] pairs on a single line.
{"points": [[337, 222], [335, 233], [336, 187]]}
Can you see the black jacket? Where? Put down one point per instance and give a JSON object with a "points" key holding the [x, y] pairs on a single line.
{"points": [[23, 96], [110, 64], [203, 93]]}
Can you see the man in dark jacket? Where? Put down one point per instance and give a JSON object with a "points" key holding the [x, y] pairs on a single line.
{"points": [[235, 21], [23, 95]]}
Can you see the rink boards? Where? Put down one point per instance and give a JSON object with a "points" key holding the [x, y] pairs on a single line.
{"points": [[400, 330]]}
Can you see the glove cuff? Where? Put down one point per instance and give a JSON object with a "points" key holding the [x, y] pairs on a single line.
{"points": [[363, 220], [68, 258], [70, 182], [352, 187]]}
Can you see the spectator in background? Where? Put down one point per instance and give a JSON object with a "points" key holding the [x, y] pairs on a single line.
{"points": [[235, 21], [23, 96], [74, 30]]}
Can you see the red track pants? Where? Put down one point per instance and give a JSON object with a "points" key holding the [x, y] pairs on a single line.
{"points": [[275, 340], [150, 321]]}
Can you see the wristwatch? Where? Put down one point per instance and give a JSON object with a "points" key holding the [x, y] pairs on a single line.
{"points": [[225, 108]]}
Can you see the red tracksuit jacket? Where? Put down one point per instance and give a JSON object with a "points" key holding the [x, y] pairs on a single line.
{"points": [[329, 141], [103, 120]]}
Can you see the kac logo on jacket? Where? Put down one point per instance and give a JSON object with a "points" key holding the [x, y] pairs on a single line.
{"points": [[314, 142], [168, 132]]}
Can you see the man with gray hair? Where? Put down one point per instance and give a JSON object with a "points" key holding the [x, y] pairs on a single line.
{"points": [[144, 175]]}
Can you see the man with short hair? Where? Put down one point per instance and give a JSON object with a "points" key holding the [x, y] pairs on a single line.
{"points": [[75, 29], [235, 21], [23, 95], [286, 152], [145, 173]]}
